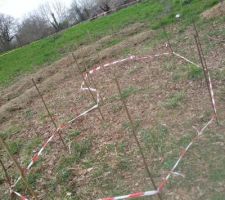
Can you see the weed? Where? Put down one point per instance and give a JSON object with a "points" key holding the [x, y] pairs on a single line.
{"points": [[116, 108], [134, 70], [206, 116], [110, 147], [178, 75], [218, 75], [189, 72], [29, 114], [79, 150], [185, 140], [155, 138], [15, 146], [74, 134], [33, 177], [64, 175], [169, 66], [218, 196], [174, 100], [127, 125], [125, 93], [169, 162], [194, 72], [31, 146], [122, 147], [10, 132], [111, 43], [123, 164], [128, 92], [217, 171]]}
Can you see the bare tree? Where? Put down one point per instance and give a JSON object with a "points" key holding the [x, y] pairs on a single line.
{"points": [[81, 10], [55, 13], [75, 13], [7, 25], [105, 5], [32, 28]]}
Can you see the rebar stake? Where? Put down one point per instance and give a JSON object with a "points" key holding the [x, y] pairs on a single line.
{"points": [[206, 71], [19, 168], [135, 137], [88, 86], [50, 115]]}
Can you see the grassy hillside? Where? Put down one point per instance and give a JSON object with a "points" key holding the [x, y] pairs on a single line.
{"points": [[45, 51]]}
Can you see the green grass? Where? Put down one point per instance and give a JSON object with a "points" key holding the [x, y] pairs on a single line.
{"points": [[10, 132], [128, 92], [15, 146], [31, 57], [174, 100], [194, 72], [111, 43], [155, 138]]}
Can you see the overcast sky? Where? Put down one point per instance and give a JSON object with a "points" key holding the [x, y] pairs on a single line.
{"points": [[18, 8]]}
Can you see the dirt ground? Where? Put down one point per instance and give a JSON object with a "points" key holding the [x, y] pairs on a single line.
{"points": [[216, 11], [165, 96]]}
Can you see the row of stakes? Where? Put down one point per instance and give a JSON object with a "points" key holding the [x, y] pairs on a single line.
{"points": [[88, 82]]}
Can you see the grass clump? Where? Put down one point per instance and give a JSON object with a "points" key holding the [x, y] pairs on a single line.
{"points": [[128, 92], [74, 134], [128, 125], [10, 132], [111, 43], [174, 100], [217, 171], [194, 72], [31, 145], [15, 146], [79, 151], [155, 138]]}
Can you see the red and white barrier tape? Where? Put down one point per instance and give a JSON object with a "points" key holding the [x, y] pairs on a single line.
{"points": [[211, 91], [172, 171], [187, 60], [134, 195], [35, 158], [94, 70], [19, 195], [182, 154]]}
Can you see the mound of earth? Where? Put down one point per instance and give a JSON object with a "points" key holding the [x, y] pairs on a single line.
{"points": [[216, 11]]}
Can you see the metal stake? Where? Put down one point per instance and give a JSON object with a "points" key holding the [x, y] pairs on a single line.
{"points": [[205, 70], [18, 167], [135, 137], [50, 115], [88, 86]]}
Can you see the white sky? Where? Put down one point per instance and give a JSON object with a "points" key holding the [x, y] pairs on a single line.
{"points": [[18, 8]]}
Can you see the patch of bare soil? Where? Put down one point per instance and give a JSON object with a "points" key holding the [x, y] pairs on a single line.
{"points": [[217, 11]]}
